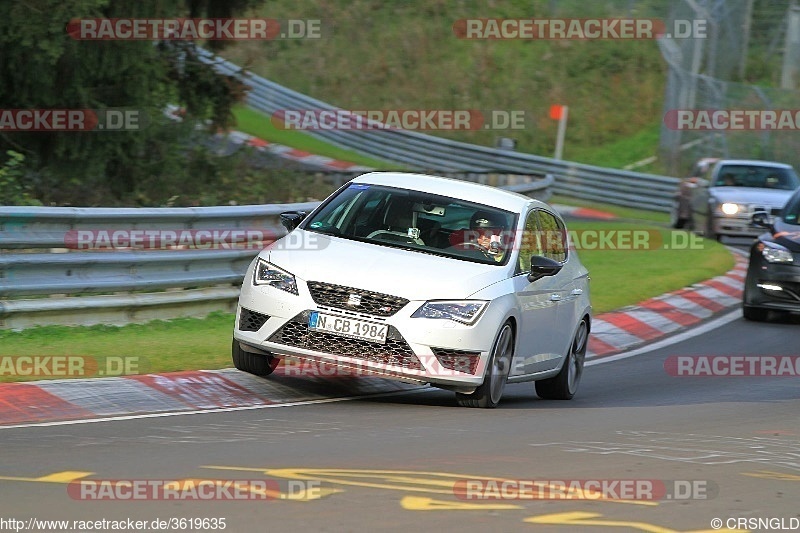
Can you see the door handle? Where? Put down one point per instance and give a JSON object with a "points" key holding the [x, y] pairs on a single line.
{"points": [[555, 297], [576, 292]]}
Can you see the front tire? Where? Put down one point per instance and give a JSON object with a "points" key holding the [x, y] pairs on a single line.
{"points": [[709, 231], [252, 363], [564, 385], [491, 390]]}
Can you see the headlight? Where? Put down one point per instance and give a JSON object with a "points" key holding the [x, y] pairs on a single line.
{"points": [[775, 253], [729, 208], [269, 274], [464, 311]]}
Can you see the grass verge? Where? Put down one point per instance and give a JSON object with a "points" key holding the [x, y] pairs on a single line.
{"points": [[628, 213], [255, 123], [619, 278], [670, 260]]}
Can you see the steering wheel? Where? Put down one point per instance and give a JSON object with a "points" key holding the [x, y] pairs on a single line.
{"points": [[476, 245]]}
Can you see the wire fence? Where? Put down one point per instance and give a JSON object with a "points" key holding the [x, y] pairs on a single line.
{"points": [[745, 40]]}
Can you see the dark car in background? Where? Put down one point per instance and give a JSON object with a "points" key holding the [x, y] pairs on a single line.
{"points": [[773, 274]]}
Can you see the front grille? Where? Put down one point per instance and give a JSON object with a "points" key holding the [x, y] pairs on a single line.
{"points": [[340, 297], [250, 320], [775, 211], [396, 351], [460, 360]]}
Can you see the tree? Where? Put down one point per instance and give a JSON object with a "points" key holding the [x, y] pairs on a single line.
{"points": [[42, 67]]}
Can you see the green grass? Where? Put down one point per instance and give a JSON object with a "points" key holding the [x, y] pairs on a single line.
{"points": [[158, 346], [625, 277], [405, 55], [255, 123], [619, 153], [629, 213], [619, 278]]}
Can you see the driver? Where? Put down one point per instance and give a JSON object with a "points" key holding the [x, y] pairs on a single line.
{"points": [[487, 230]]}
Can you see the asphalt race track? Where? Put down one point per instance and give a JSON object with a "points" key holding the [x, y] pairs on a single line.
{"points": [[713, 447]]}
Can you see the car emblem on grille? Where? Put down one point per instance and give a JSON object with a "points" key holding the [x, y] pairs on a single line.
{"points": [[354, 299]]}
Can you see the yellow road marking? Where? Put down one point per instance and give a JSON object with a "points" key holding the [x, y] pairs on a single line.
{"points": [[66, 476], [418, 503], [766, 474], [71, 476], [402, 480]]}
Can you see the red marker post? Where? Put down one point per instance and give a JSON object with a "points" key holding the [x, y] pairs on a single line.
{"points": [[560, 112]]}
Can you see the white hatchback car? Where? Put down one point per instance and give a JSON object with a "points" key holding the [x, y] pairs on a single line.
{"points": [[424, 279]]}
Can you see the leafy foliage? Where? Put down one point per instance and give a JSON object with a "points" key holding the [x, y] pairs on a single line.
{"points": [[42, 67], [13, 189]]}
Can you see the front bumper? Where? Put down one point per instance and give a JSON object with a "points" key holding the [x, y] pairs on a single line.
{"points": [[735, 226], [440, 352], [785, 277]]}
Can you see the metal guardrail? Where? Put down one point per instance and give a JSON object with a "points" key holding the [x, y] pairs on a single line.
{"points": [[421, 151], [49, 274]]}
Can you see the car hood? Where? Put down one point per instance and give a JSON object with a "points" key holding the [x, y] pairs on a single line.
{"points": [[412, 275], [751, 195], [787, 235]]}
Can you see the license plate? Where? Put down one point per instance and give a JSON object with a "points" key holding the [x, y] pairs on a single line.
{"points": [[348, 327]]}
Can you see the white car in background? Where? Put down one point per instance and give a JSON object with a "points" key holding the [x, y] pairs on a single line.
{"points": [[424, 279], [732, 190]]}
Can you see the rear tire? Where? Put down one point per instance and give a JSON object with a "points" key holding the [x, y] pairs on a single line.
{"points": [[491, 390], [253, 363], [564, 385]]}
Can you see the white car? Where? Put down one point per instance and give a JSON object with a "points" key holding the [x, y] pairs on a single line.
{"points": [[424, 279], [732, 190]]}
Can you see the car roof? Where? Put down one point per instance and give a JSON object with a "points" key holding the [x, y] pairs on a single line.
{"points": [[752, 162], [455, 188]]}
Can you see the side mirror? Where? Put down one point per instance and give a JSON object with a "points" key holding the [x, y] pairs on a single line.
{"points": [[762, 219], [542, 267], [291, 219]]}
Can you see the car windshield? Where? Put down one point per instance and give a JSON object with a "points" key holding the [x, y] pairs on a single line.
{"points": [[764, 177], [417, 221]]}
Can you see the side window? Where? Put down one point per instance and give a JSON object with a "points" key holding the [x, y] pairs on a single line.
{"points": [[531, 242], [553, 237]]}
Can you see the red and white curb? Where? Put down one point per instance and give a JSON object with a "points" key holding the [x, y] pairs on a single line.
{"points": [[287, 152], [175, 392], [583, 212], [174, 112], [657, 317]]}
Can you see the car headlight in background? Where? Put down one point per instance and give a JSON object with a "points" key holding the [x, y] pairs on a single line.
{"points": [[775, 253], [464, 311], [730, 208], [268, 274]]}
